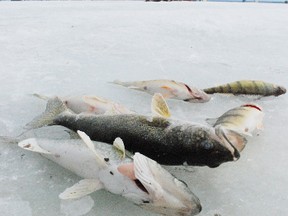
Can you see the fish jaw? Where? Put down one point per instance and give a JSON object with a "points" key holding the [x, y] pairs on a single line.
{"points": [[167, 194]]}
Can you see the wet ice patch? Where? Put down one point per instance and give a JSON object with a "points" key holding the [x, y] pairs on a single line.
{"points": [[76, 207]]}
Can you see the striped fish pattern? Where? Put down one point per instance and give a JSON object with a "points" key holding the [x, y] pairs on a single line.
{"points": [[248, 87]]}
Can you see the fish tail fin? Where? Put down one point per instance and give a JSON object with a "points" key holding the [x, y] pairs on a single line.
{"points": [[54, 107], [9, 140], [32, 145], [43, 97], [126, 84]]}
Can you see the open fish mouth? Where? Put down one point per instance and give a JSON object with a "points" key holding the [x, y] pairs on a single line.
{"points": [[167, 194], [221, 133]]}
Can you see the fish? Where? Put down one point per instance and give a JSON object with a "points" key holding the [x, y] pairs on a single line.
{"points": [[248, 87], [90, 104], [169, 89], [244, 120], [165, 140], [139, 179]]}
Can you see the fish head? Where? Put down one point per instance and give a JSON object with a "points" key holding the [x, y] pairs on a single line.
{"points": [[167, 195], [280, 90], [207, 148], [196, 95]]}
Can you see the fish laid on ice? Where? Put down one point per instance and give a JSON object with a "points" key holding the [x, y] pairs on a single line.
{"points": [[169, 89], [248, 87], [168, 141], [91, 104], [243, 120], [140, 180]]}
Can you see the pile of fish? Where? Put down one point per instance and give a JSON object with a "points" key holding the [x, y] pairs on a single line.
{"points": [[130, 165]]}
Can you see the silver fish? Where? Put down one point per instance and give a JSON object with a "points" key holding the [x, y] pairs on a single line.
{"points": [[140, 180], [91, 104], [169, 89], [169, 142]]}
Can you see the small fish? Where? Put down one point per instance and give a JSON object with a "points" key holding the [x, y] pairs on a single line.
{"points": [[248, 87], [169, 89], [140, 180], [91, 104], [168, 141], [243, 120]]}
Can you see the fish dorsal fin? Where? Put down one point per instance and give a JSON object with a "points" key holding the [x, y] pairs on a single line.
{"points": [[159, 106], [32, 145], [99, 158], [145, 172], [82, 188], [119, 145], [93, 100]]}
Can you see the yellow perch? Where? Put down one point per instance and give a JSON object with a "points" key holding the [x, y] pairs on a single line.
{"points": [[249, 87], [243, 121]]}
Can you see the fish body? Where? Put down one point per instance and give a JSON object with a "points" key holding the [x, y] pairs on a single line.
{"points": [[169, 89], [248, 87], [167, 141], [91, 104], [243, 121], [140, 180]]}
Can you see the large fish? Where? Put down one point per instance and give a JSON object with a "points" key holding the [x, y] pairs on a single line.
{"points": [[243, 120], [169, 142], [91, 104], [248, 87], [169, 89], [140, 180]]}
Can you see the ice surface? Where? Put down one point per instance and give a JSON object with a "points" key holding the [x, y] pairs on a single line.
{"points": [[68, 48]]}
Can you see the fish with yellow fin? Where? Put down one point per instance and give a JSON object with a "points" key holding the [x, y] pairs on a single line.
{"points": [[165, 140], [169, 89], [248, 87]]}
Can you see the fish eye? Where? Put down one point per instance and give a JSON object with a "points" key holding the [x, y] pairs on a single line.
{"points": [[207, 145]]}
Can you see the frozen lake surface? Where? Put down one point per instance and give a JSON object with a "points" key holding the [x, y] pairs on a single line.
{"points": [[69, 48]]}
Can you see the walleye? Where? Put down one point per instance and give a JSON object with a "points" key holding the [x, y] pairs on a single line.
{"points": [[243, 120], [140, 180], [249, 87], [169, 89], [91, 104], [168, 141]]}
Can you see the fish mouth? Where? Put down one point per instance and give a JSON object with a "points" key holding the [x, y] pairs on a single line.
{"points": [[198, 99], [167, 195], [221, 133]]}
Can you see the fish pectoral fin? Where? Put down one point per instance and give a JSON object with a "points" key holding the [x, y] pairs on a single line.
{"points": [[237, 139], [145, 168], [211, 121], [127, 170], [119, 145], [82, 188], [32, 145], [159, 106], [99, 158]]}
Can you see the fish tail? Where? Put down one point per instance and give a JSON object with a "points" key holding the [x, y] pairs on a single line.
{"points": [[218, 89], [53, 108], [118, 82], [43, 97]]}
